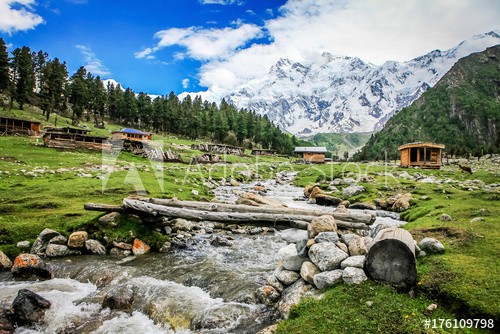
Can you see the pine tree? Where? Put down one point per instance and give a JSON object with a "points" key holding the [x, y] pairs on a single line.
{"points": [[4, 68], [54, 76], [78, 93], [24, 75]]}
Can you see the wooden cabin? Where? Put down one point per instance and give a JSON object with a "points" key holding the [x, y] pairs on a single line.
{"points": [[261, 151], [131, 134], [423, 155], [219, 148], [311, 154], [21, 126], [70, 141]]}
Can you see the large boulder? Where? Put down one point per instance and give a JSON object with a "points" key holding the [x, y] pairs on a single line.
{"points": [[308, 271], [326, 256], [28, 307], [292, 295], [320, 224], [5, 262], [77, 239], [353, 190], [352, 275], [328, 278], [327, 200], [431, 245], [28, 265], [120, 298]]}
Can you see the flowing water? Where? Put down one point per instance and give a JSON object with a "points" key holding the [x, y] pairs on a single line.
{"points": [[201, 289]]}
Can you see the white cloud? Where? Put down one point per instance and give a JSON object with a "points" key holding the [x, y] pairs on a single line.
{"points": [[185, 83], [93, 64], [18, 15], [220, 2], [204, 44], [375, 31]]}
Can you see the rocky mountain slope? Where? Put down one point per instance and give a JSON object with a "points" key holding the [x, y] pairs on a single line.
{"points": [[461, 111], [345, 94]]}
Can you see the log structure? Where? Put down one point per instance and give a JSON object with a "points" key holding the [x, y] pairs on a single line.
{"points": [[391, 258], [219, 148]]}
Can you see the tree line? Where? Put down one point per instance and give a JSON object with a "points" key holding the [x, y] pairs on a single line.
{"points": [[34, 78]]}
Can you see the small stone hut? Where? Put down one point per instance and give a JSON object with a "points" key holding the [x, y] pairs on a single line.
{"points": [[311, 154], [423, 155]]}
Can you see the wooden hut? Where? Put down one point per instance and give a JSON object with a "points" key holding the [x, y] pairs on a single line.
{"points": [[219, 148], [423, 155], [22, 126], [312, 154], [70, 141], [131, 134], [67, 129]]}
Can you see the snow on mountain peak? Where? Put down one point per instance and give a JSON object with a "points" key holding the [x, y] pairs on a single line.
{"points": [[331, 93]]}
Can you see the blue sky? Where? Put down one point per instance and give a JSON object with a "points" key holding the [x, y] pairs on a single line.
{"points": [[191, 45]]}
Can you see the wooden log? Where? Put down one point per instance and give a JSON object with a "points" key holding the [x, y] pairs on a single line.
{"points": [[103, 207], [353, 217], [139, 206], [391, 258]]}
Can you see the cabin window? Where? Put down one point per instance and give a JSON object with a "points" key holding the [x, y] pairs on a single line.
{"points": [[425, 154]]}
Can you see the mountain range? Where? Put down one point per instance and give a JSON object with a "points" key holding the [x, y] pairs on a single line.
{"points": [[341, 94]]}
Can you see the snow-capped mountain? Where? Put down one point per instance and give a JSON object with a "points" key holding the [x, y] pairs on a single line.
{"points": [[345, 94]]}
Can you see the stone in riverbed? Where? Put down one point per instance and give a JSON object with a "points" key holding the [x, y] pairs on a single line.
{"points": [[357, 261], [59, 240], [115, 251], [287, 277], [55, 250], [268, 295], [95, 247], [120, 298], [292, 295], [5, 262], [287, 251], [293, 262], [275, 283], [327, 237], [140, 247], [29, 307], [328, 278], [77, 239], [293, 235], [41, 242], [122, 245], [326, 256], [30, 264]]}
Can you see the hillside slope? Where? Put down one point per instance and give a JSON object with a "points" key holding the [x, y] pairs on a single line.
{"points": [[461, 111]]}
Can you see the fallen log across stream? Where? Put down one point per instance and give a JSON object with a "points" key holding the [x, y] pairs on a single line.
{"points": [[231, 213]]}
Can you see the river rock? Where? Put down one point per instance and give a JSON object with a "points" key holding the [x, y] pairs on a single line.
{"points": [[287, 251], [291, 296], [5, 262], [342, 246], [110, 219], [352, 275], [327, 200], [257, 200], [292, 235], [308, 271], [55, 250], [166, 247], [23, 244], [95, 247], [59, 240], [326, 256], [327, 237], [140, 247], [402, 203], [357, 261], [122, 245], [220, 241], [77, 239], [287, 277], [363, 206], [28, 307], [321, 224], [347, 237], [294, 262], [42, 240], [30, 264], [431, 245], [120, 298], [115, 251], [353, 190], [7, 325], [328, 278], [268, 295], [275, 283], [316, 190], [179, 224]]}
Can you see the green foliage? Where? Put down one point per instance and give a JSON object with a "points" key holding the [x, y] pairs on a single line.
{"points": [[461, 111], [4, 67], [338, 143]]}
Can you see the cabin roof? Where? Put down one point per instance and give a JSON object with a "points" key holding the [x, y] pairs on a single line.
{"points": [[421, 144], [134, 131], [20, 119], [310, 149]]}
